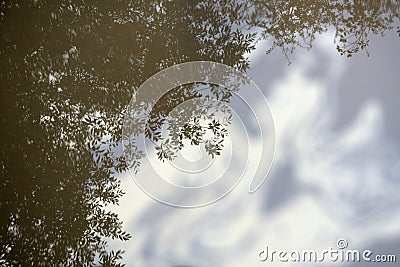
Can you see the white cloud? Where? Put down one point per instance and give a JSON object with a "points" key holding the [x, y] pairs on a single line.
{"points": [[343, 178]]}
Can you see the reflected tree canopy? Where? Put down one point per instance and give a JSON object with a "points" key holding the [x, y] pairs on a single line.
{"points": [[296, 23], [68, 71], [207, 115]]}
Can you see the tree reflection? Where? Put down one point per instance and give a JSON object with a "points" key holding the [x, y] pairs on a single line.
{"points": [[198, 113], [68, 70], [296, 23]]}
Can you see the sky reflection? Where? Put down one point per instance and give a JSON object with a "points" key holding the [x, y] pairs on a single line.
{"points": [[335, 175]]}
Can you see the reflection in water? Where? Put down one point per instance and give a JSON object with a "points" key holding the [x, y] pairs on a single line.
{"points": [[201, 119], [69, 69], [296, 23], [202, 122]]}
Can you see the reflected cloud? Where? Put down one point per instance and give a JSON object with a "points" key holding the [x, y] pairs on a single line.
{"points": [[326, 183]]}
